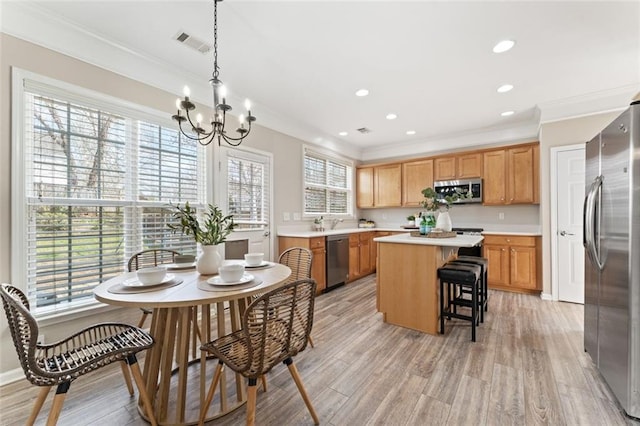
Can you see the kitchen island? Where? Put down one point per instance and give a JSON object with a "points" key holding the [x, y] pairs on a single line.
{"points": [[407, 281]]}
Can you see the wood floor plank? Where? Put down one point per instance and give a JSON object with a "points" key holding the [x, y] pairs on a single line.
{"points": [[527, 367], [506, 401]]}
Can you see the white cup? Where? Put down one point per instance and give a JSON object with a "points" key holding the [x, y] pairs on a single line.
{"points": [[153, 275], [231, 273], [253, 259]]}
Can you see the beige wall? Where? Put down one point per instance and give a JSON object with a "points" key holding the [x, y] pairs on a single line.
{"points": [[287, 153], [558, 133]]}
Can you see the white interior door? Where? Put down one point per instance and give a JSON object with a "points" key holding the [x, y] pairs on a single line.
{"points": [[570, 166], [245, 191]]}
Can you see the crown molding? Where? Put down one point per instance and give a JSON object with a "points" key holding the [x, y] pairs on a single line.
{"points": [[615, 99]]}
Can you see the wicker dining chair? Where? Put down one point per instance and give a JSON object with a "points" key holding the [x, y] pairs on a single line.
{"points": [[62, 362], [299, 260], [145, 259], [275, 327]]}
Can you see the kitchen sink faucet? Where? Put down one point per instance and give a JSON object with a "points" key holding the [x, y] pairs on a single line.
{"points": [[335, 222]]}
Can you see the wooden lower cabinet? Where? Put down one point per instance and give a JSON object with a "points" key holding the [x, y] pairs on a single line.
{"points": [[360, 262], [514, 262], [318, 249]]}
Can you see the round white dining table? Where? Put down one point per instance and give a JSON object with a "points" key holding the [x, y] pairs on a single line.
{"points": [[182, 319]]}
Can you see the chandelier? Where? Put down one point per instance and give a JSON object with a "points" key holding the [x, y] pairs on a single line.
{"points": [[218, 120]]}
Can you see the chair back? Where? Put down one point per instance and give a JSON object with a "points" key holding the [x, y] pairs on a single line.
{"points": [[299, 260], [23, 327], [153, 257], [277, 325]]}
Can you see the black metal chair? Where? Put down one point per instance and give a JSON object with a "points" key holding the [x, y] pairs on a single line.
{"points": [[62, 362], [275, 327]]}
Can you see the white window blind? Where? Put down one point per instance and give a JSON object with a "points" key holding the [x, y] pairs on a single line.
{"points": [[327, 185], [98, 185], [248, 189]]}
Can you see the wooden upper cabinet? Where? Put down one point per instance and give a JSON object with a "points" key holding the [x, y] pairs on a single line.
{"points": [[416, 176], [494, 177], [387, 186], [364, 187], [469, 165], [444, 168], [461, 166], [511, 175], [520, 184]]}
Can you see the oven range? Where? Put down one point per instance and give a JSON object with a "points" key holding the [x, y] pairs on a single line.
{"points": [[469, 251]]}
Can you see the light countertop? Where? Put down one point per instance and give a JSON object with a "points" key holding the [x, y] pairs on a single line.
{"points": [[457, 241], [311, 234]]}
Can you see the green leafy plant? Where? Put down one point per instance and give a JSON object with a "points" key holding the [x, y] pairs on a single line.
{"points": [[411, 218], [433, 203], [214, 229], [318, 220]]}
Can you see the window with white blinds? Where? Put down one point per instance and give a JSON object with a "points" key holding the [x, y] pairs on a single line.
{"points": [[98, 182], [248, 189], [327, 185]]}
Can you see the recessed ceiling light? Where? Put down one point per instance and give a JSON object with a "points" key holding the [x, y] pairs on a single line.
{"points": [[411, 132], [507, 113], [505, 88], [343, 133], [503, 46], [362, 92], [391, 116]]}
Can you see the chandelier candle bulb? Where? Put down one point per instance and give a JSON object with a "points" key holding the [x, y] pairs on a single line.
{"points": [[186, 92]]}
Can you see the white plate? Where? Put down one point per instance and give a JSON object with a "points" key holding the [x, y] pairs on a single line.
{"points": [[134, 282], [181, 265], [261, 265], [217, 280]]}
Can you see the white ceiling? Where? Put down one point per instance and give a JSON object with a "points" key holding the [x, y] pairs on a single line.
{"points": [[300, 62]]}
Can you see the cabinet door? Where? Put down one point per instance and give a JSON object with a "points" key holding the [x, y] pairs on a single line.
{"points": [[520, 183], [523, 267], [444, 168], [364, 187], [494, 177], [373, 252], [498, 266], [318, 268], [470, 165], [388, 186], [365, 253], [416, 176], [354, 256]]}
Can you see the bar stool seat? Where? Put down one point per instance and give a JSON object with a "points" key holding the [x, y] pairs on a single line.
{"points": [[456, 278]]}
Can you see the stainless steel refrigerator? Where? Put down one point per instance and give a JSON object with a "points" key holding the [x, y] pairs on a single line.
{"points": [[612, 244]]}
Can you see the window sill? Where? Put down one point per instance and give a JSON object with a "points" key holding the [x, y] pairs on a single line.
{"points": [[46, 319]]}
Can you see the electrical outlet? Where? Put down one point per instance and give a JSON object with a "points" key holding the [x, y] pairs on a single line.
{"points": [[296, 216], [286, 216], [501, 216]]}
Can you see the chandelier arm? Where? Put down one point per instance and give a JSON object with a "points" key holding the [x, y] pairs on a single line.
{"points": [[209, 136], [240, 138]]}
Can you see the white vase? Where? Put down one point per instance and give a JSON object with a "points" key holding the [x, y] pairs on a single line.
{"points": [[444, 221], [209, 260]]}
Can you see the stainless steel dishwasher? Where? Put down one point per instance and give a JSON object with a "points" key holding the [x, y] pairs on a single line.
{"points": [[337, 260]]}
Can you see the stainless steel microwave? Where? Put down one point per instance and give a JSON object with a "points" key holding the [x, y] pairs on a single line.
{"points": [[463, 186]]}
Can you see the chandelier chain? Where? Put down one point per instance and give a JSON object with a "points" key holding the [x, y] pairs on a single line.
{"points": [[215, 39]]}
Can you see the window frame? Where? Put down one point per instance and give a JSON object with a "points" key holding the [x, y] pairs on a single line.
{"points": [[329, 157], [71, 93]]}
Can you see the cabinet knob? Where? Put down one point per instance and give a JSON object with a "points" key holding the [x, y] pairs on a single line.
{"points": [[502, 249], [502, 199]]}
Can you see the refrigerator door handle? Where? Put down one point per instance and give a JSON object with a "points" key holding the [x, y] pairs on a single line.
{"points": [[591, 204]]}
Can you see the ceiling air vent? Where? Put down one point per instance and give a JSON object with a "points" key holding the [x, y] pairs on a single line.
{"points": [[364, 130], [193, 42]]}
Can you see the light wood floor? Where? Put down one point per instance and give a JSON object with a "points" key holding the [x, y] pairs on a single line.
{"points": [[527, 367]]}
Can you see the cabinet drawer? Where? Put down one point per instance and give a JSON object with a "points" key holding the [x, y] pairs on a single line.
{"points": [[316, 242], [509, 240], [364, 236]]}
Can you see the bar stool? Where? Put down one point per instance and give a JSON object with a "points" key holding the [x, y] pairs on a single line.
{"points": [[482, 291], [483, 263], [455, 278]]}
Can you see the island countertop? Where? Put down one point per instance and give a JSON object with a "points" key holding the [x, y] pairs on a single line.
{"points": [[457, 241]]}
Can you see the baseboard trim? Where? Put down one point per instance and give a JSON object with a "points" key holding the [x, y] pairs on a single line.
{"points": [[11, 376], [546, 296]]}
